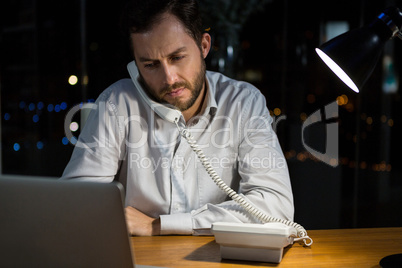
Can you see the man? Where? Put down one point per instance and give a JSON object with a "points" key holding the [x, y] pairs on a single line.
{"points": [[168, 191]]}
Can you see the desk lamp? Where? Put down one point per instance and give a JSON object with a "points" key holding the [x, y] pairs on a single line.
{"points": [[353, 55]]}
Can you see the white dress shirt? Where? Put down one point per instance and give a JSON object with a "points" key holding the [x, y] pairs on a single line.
{"points": [[125, 140]]}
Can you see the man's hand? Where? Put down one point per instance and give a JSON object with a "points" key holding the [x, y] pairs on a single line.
{"points": [[140, 224]]}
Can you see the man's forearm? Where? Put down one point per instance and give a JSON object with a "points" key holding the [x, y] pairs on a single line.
{"points": [[140, 224]]}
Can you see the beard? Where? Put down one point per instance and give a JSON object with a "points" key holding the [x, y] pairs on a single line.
{"points": [[195, 87]]}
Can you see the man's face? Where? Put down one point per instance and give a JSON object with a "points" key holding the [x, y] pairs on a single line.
{"points": [[170, 62]]}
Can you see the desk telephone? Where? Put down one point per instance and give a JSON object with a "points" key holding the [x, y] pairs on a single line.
{"points": [[241, 241]]}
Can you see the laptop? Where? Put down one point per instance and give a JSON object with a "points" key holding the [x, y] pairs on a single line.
{"points": [[53, 223]]}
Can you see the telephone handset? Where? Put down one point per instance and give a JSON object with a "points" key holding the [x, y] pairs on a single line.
{"points": [[163, 111], [259, 242]]}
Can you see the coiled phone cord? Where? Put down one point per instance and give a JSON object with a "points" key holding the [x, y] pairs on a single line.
{"points": [[302, 233]]}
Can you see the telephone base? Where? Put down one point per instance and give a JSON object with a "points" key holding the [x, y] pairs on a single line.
{"points": [[252, 254], [253, 242]]}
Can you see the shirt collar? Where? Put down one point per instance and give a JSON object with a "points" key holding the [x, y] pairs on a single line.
{"points": [[210, 105]]}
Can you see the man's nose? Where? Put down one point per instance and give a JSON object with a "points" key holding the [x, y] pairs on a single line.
{"points": [[169, 74]]}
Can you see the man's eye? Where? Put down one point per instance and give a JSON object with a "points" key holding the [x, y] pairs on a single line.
{"points": [[150, 65], [177, 58]]}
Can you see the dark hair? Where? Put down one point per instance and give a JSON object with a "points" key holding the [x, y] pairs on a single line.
{"points": [[140, 15]]}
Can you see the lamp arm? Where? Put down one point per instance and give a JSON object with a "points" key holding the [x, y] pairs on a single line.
{"points": [[392, 17]]}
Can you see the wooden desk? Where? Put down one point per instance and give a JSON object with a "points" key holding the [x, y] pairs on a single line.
{"points": [[331, 248]]}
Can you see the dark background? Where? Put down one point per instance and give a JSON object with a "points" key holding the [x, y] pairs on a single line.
{"points": [[43, 42]]}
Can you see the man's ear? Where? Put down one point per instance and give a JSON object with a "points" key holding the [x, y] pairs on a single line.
{"points": [[205, 44]]}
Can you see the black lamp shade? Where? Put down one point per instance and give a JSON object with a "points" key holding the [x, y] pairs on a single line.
{"points": [[356, 52]]}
